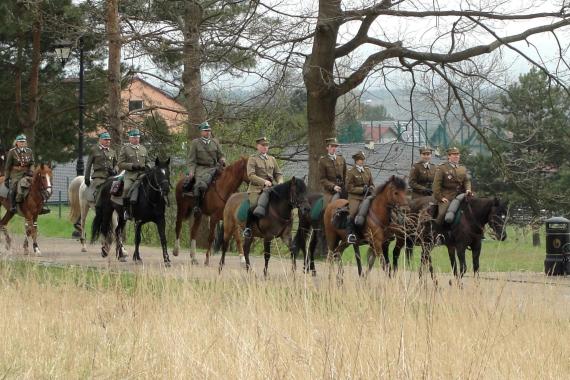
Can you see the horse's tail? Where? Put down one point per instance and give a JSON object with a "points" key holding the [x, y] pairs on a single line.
{"points": [[73, 196], [102, 223], [219, 237]]}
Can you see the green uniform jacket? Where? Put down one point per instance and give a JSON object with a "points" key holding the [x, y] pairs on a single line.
{"points": [[102, 161], [355, 181], [421, 179], [449, 181], [329, 171], [129, 155], [18, 162], [203, 156], [259, 170]]}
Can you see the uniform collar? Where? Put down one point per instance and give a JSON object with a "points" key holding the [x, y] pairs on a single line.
{"points": [[359, 168], [103, 147], [332, 156], [426, 164], [263, 155], [205, 140], [20, 150], [135, 146], [453, 165]]}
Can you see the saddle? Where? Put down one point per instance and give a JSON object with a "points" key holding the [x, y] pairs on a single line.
{"points": [[243, 210], [117, 187], [317, 209], [340, 218], [188, 186]]}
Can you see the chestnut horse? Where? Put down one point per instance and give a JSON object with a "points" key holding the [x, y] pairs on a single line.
{"points": [[375, 230], [215, 198], [278, 221], [29, 209]]}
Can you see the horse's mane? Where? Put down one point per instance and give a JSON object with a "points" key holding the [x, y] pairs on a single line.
{"points": [[235, 168], [398, 182], [282, 190]]}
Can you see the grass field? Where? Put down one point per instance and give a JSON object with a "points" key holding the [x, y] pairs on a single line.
{"points": [[514, 254], [76, 323]]}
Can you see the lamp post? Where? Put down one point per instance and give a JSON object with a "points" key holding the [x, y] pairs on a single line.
{"points": [[63, 52]]}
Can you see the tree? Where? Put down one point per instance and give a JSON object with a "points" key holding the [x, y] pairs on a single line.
{"points": [[448, 51]]}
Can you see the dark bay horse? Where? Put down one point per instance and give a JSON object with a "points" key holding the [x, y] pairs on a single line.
{"points": [[215, 198], [29, 209], [278, 221], [375, 230], [468, 232], [151, 207]]}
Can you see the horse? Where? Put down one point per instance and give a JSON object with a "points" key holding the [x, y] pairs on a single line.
{"points": [[310, 227], [278, 221], [40, 191], [374, 232], [468, 232], [151, 207], [79, 207], [215, 198]]}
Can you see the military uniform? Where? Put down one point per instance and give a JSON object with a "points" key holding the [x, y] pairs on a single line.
{"points": [[19, 162], [332, 172], [205, 154], [449, 181], [261, 168], [421, 179], [103, 161], [356, 181], [129, 156]]}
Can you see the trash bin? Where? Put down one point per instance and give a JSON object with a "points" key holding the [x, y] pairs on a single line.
{"points": [[557, 262]]}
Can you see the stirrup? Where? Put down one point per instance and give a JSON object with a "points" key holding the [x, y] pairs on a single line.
{"points": [[247, 233], [351, 239], [197, 210], [126, 215]]}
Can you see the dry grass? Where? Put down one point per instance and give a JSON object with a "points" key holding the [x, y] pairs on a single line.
{"points": [[71, 324]]}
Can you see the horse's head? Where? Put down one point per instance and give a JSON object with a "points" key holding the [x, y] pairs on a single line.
{"points": [[160, 176], [298, 196], [43, 176], [394, 190], [498, 219]]}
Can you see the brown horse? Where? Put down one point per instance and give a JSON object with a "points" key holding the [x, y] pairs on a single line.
{"points": [[375, 230], [29, 209], [278, 222], [215, 198]]}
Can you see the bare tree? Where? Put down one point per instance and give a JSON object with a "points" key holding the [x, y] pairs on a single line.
{"points": [[114, 70]]}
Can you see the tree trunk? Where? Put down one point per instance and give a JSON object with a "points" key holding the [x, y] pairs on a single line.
{"points": [[192, 80], [114, 73], [319, 82], [33, 95]]}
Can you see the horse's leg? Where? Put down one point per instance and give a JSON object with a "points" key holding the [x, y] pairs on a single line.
{"points": [[313, 242], [119, 235], [358, 259], [239, 245], [371, 259], [193, 232], [161, 227], [476, 252], [409, 250], [84, 207], [266, 255], [400, 242], [213, 221], [3, 227], [246, 247], [461, 256], [136, 254], [451, 253], [426, 260], [225, 245], [35, 245], [386, 256], [28, 225], [180, 212], [288, 240]]}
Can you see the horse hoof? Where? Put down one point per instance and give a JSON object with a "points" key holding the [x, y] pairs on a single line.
{"points": [[137, 261], [122, 259], [206, 263], [314, 273], [83, 249], [242, 262], [104, 252], [167, 264], [194, 261], [175, 251], [37, 252]]}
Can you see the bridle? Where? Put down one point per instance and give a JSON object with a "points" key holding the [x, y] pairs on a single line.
{"points": [[159, 185], [45, 190]]}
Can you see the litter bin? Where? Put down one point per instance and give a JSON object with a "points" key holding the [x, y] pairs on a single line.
{"points": [[557, 262]]}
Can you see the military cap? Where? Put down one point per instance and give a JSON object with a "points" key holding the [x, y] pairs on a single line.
{"points": [[204, 126], [332, 141], [262, 140], [134, 132], [425, 149], [21, 137], [359, 156], [105, 136], [453, 150]]}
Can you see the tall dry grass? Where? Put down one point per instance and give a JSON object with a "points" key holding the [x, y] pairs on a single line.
{"points": [[74, 325]]}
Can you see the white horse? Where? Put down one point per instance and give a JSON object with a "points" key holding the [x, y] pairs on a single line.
{"points": [[79, 206]]}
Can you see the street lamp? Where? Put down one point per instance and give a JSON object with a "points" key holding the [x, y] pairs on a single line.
{"points": [[63, 52]]}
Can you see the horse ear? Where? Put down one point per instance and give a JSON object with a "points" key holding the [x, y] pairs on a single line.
{"points": [[168, 161], [293, 182], [156, 161]]}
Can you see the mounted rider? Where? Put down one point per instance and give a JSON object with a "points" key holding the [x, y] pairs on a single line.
{"points": [[205, 159], [422, 174], [134, 160], [263, 172], [103, 160], [450, 180], [332, 171], [19, 164], [359, 185]]}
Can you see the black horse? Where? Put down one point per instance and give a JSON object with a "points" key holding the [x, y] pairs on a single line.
{"points": [[468, 232], [151, 207], [308, 224], [277, 222]]}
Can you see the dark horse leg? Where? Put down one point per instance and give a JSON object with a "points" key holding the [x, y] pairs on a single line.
{"points": [[136, 254], [451, 253], [476, 251], [119, 234], [461, 256], [161, 227], [358, 259], [246, 248], [310, 258], [426, 261], [400, 242], [266, 255]]}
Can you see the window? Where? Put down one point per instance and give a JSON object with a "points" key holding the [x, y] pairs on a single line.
{"points": [[135, 105]]}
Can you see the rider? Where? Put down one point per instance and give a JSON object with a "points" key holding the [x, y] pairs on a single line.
{"points": [[103, 160], [451, 179], [19, 162], [134, 160], [263, 172], [359, 185], [421, 174], [332, 171], [204, 157]]}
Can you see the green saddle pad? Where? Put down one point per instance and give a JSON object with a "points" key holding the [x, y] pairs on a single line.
{"points": [[457, 217], [243, 210], [317, 209]]}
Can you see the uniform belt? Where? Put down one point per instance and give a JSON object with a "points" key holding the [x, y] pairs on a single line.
{"points": [[20, 168]]}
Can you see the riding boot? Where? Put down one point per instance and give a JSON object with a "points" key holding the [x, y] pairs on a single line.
{"points": [[13, 204], [351, 232], [197, 210], [44, 210], [247, 231]]}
